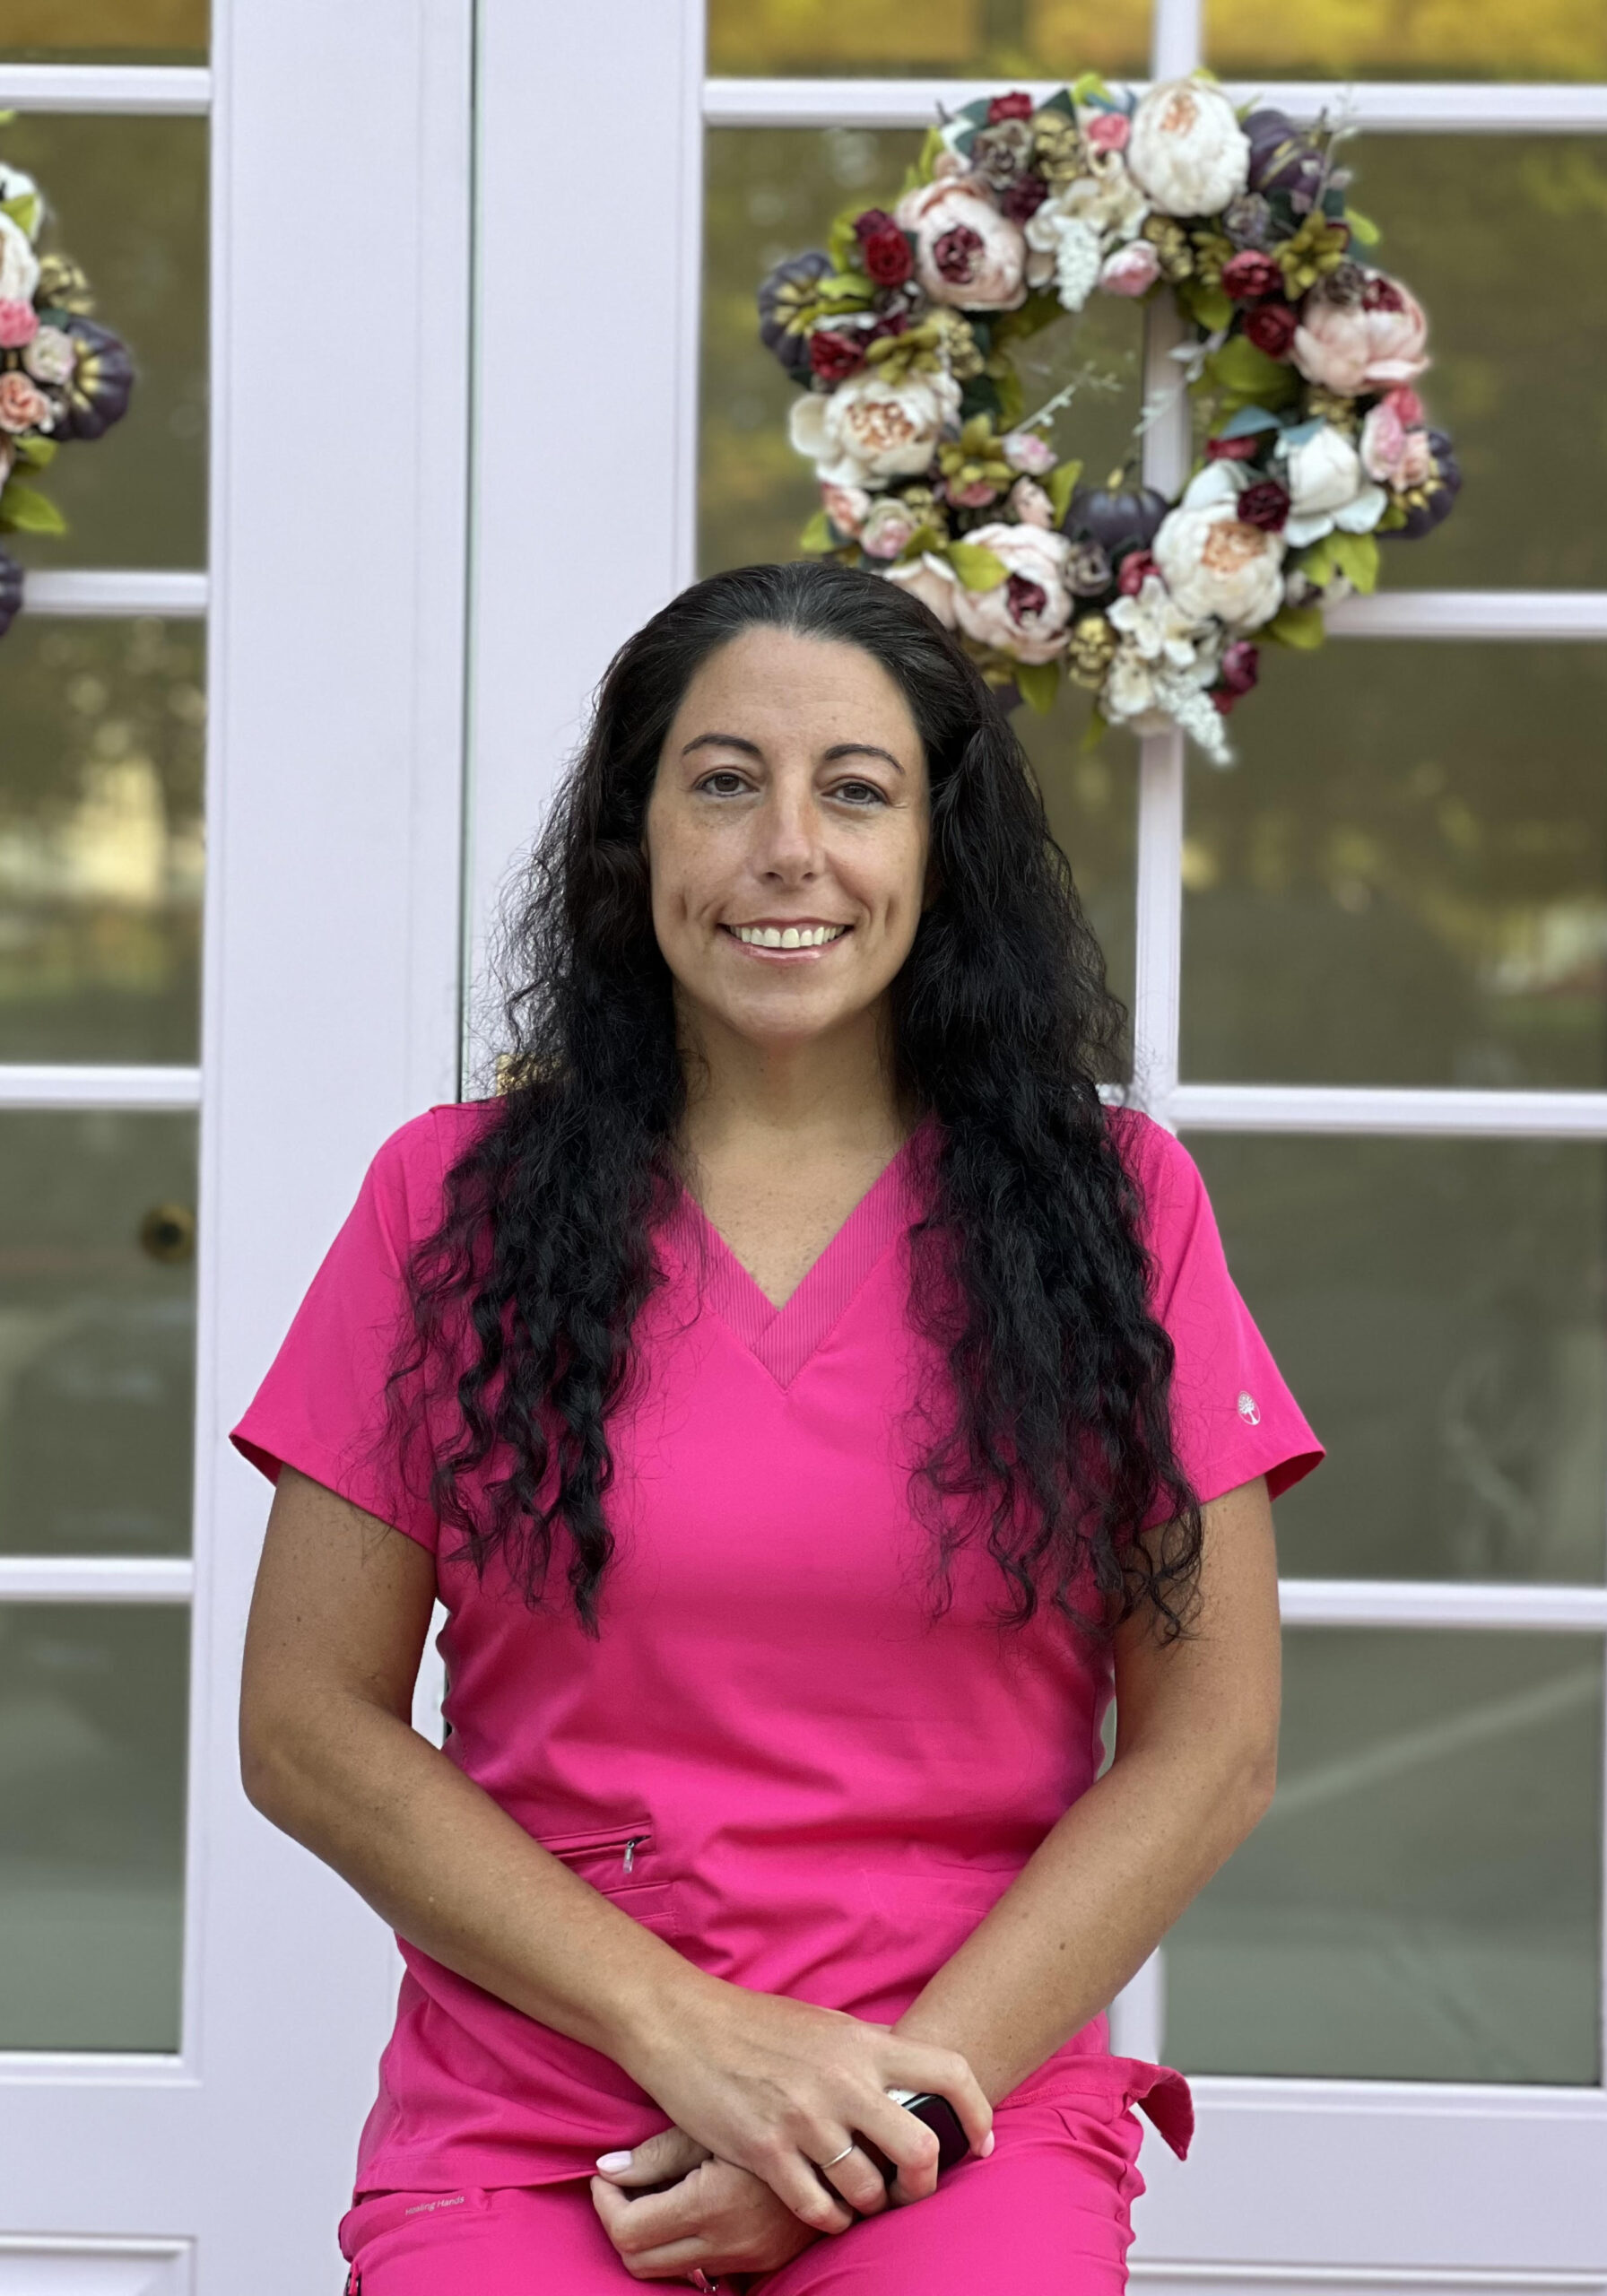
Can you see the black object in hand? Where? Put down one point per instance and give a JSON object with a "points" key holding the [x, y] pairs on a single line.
{"points": [[939, 2114]]}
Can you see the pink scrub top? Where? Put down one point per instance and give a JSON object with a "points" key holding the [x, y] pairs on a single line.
{"points": [[772, 1757]]}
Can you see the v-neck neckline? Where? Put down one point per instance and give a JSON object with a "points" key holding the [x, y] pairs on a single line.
{"points": [[785, 1338]]}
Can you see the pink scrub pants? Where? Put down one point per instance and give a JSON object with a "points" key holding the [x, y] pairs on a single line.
{"points": [[1048, 2212]]}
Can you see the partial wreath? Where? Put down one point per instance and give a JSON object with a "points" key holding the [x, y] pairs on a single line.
{"points": [[61, 377], [1303, 360]]}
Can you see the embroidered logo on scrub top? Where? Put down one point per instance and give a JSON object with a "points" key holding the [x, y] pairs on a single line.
{"points": [[1248, 1408]]}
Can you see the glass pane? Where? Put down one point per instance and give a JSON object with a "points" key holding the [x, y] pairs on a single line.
{"points": [[1500, 238], [97, 1331], [128, 203], [1438, 1307], [93, 1701], [1404, 880], [104, 31], [100, 840], [1039, 39], [1431, 39], [1423, 1901]]}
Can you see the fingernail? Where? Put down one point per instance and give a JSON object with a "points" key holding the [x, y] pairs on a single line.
{"points": [[987, 2145], [614, 2160]]}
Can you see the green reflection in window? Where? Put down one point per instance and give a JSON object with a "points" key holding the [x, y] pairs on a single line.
{"points": [[97, 1331], [1041, 39], [1408, 40], [1423, 1901], [101, 839], [1404, 880], [1439, 1307], [104, 31], [128, 201], [93, 1702]]}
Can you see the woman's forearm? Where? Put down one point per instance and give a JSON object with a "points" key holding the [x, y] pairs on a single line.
{"points": [[453, 1874], [1086, 1912]]}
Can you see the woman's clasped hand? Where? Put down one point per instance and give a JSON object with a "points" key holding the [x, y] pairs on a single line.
{"points": [[762, 2090]]}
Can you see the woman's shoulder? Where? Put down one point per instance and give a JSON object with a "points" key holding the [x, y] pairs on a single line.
{"points": [[408, 1170], [1167, 1179]]}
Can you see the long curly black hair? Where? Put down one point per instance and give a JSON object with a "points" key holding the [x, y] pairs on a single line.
{"points": [[1051, 1436]]}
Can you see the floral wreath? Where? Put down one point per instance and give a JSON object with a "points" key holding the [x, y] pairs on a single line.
{"points": [[61, 375], [1305, 358]]}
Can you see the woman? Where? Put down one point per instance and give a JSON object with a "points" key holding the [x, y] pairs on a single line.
{"points": [[805, 1397]]}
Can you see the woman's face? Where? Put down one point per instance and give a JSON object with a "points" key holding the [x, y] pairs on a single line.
{"points": [[788, 837]]}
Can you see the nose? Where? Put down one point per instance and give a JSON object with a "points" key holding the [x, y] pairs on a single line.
{"points": [[787, 831]]}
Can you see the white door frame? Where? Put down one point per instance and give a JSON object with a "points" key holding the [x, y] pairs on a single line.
{"points": [[341, 188], [1292, 2184]]}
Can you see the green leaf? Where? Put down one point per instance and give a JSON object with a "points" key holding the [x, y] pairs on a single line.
{"points": [[1012, 401], [817, 534], [1355, 557], [919, 171], [1392, 520], [1091, 85], [979, 394], [1038, 683], [1319, 562], [40, 452], [1061, 485], [1095, 731], [977, 567], [1250, 375], [1247, 422], [23, 211], [1298, 626], [24, 510], [1209, 307]]}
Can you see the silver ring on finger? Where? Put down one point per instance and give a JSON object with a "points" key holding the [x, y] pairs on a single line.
{"points": [[701, 2280], [836, 2157]]}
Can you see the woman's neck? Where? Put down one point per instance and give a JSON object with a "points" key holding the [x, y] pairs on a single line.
{"points": [[805, 1102]]}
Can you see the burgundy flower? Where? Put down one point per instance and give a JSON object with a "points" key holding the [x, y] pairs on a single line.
{"points": [[887, 253], [1230, 451], [1136, 568], [835, 356], [1241, 665], [1018, 105], [1265, 505], [955, 254], [1250, 276], [1025, 598], [1381, 294], [1272, 328], [1024, 197], [890, 323]]}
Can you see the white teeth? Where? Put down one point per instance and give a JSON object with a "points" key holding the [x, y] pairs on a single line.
{"points": [[788, 936]]}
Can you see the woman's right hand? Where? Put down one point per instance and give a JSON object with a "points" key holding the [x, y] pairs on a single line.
{"points": [[780, 2086]]}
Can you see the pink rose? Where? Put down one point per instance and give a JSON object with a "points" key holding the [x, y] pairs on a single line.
{"points": [[1250, 276], [1394, 452], [1241, 665], [974, 496], [1363, 346], [1136, 568], [847, 507], [1107, 131], [1132, 270], [23, 406], [966, 253], [1030, 504], [1025, 450], [888, 527], [19, 324], [1272, 328]]}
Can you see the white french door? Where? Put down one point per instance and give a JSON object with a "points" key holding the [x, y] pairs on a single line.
{"points": [[1396, 2053], [191, 1083]]}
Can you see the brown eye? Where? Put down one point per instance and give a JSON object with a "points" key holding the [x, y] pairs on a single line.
{"points": [[725, 782]]}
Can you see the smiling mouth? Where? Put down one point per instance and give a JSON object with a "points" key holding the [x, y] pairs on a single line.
{"points": [[787, 937]]}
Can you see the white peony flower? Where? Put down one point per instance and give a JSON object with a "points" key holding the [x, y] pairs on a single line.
{"points": [[871, 429], [19, 265], [50, 357], [1068, 251], [1187, 148], [1327, 488], [1028, 614], [1149, 698], [1213, 563], [932, 580], [966, 252]]}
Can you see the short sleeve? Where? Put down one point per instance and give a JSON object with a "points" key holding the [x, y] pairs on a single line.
{"points": [[1233, 1415], [322, 1407]]}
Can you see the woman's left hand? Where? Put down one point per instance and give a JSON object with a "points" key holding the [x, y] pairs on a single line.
{"points": [[715, 2217]]}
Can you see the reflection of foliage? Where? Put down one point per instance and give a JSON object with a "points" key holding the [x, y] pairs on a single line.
{"points": [[106, 32], [127, 197], [1053, 39]]}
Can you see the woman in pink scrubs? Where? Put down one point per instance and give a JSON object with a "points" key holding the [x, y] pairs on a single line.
{"points": [[809, 1401]]}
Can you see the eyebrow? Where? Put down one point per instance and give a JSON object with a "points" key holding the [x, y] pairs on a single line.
{"points": [[751, 749]]}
